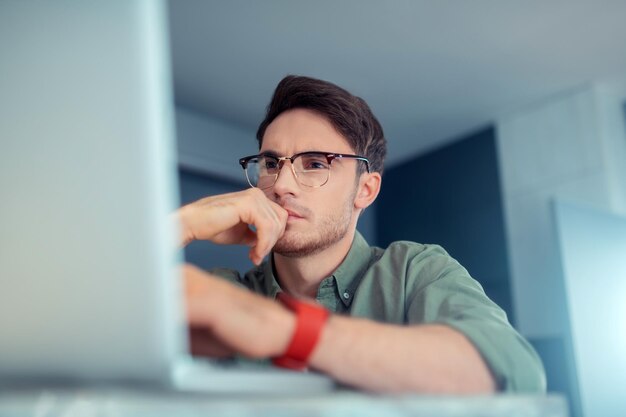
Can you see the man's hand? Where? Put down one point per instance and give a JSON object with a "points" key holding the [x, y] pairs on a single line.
{"points": [[225, 319], [226, 219]]}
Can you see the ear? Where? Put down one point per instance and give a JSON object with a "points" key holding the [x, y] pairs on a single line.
{"points": [[369, 187]]}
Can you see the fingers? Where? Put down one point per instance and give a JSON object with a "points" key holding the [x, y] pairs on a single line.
{"points": [[199, 294], [226, 318], [269, 220], [203, 343], [228, 218]]}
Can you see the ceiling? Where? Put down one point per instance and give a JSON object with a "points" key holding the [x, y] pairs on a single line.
{"points": [[430, 70]]}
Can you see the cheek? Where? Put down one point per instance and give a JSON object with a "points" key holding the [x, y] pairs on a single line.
{"points": [[269, 193], [335, 200], [342, 191]]}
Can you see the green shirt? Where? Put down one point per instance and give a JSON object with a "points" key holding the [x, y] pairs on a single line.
{"points": [[411, 283]]}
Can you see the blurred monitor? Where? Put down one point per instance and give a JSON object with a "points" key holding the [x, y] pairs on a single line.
{"points": [[593, 255]]}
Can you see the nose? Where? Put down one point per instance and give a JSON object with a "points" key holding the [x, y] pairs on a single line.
{"points": [[286, 182]]}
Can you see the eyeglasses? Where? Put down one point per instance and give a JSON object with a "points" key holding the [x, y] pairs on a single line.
{"points": [[311, 169]]}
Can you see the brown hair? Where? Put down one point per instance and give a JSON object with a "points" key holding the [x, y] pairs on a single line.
{"points": [[350, 115]]}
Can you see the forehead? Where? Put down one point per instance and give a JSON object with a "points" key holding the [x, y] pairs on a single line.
{"points": [[301, 130]]}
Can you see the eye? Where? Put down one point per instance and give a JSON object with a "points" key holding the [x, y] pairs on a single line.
{"points": [[314, 162], [269, 165]]}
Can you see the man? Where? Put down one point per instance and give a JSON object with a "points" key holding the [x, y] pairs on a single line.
{"points": [[405, 319]]}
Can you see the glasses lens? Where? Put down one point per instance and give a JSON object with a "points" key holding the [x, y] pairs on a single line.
{"points": [[262, 171], [312, 169]]}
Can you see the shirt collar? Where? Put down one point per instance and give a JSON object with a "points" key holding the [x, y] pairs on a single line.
{"points": [[347, 276], [350, 272], [271, 284]]}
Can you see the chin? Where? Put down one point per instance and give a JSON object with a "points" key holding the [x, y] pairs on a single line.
{"points": [[295, 250], [295, 245]]}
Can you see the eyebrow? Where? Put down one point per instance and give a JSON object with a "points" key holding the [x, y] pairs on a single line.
{"points": [[277, 155], [270, 153]]}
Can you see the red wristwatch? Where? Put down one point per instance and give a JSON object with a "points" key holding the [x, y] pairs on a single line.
{"points": [[310, 320]]}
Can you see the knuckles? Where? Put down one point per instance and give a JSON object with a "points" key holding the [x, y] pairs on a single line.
{"points": [[255, 194]]}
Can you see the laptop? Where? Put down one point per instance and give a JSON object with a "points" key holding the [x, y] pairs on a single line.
{"points": [[90, 291]]}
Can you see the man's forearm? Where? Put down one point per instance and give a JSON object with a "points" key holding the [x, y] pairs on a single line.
{"points": [[391, 358]]}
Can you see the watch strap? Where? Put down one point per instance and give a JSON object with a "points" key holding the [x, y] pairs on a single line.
{"points": [[310, 320]]}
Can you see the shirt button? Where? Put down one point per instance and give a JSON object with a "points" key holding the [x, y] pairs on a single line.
{"points": [[346, 295]]}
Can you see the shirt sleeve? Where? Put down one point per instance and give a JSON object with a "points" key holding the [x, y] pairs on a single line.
{"points": [[439, 290]]}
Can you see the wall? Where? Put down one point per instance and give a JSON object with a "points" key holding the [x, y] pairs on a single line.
{"points": [[570, 147], [211, 146]]}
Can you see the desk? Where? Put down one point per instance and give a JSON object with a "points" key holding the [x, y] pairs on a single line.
{"points": [[126, 402]]}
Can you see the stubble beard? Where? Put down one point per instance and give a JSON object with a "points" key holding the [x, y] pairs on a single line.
{"points": [[330, 230]]}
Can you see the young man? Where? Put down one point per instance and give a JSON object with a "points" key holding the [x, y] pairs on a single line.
{"points": [[405, 319]]}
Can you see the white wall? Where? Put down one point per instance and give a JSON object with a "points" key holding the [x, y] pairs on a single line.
{"points": [[210, 146], [573, 147]]}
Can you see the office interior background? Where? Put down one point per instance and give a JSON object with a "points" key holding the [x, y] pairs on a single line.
{"points": [[502, 118]]}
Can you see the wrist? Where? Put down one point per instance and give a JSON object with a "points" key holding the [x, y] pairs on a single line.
{"points": [[310, 320], [285, 323]]}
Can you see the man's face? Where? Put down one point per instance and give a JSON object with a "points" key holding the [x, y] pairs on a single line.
{"points": [[318, 217]]}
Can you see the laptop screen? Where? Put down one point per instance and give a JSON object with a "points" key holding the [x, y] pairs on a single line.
{"points": [[88, 256]]}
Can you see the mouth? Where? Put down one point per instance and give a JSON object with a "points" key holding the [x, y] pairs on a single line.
{"points": [[293, 215], [294, 210]]}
